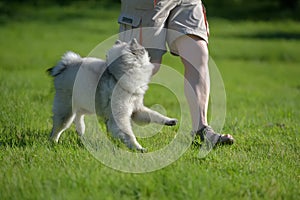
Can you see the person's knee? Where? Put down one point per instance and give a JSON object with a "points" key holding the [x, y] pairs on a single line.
{"points": [[192, 44], [193, 52]]}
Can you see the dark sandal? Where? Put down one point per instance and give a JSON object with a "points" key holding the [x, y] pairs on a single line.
{"points": [[213, 137]]}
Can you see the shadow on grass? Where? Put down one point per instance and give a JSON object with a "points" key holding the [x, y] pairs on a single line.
{"points": [[16, 138]]}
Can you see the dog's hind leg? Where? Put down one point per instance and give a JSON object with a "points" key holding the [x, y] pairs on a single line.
{"points": [[146, 115], [79, 122], [62, 116], [60, 124]]}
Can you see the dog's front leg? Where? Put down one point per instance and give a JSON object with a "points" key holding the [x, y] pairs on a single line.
{"points": [[120, 127], [146, 115]]}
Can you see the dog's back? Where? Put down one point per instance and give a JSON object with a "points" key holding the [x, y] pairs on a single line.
{"points": [[76, 78], [65, 72]]}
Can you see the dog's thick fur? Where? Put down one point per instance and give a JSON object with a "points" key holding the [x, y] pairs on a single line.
{"points": [[118, 95]]}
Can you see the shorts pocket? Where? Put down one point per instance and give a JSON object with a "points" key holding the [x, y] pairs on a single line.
{"points": [[130, 20]]}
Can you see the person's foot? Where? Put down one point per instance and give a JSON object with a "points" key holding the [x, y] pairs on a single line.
{"points": [[213, 137]]}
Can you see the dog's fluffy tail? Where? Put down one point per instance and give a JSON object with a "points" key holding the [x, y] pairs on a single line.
{"points": [[67, 59]]}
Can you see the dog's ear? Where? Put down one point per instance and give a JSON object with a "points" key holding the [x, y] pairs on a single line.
{"points": [[136, 48], [118, 42], [134, 44]]}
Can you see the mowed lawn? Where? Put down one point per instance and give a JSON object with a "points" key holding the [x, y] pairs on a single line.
{"points": [[259, 63]]}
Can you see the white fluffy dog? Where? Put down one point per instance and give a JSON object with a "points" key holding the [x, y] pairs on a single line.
{"points": [[118, 95]]}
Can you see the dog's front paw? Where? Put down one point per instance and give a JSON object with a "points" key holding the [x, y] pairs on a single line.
{"points": [[171, 122]]}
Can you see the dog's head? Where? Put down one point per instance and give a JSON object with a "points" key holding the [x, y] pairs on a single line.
{"points": [[131, 57]]}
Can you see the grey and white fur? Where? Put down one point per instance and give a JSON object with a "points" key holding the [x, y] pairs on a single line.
{"points": [[118, 95]]}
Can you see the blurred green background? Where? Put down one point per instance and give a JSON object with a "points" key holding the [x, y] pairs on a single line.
{"points": [[231, 9]]}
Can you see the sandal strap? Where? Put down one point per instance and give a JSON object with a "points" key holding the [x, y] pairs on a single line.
{"points": [[209, 133], [215, 138]]}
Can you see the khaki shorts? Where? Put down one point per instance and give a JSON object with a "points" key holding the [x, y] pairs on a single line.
{"points": [[156, 23]]}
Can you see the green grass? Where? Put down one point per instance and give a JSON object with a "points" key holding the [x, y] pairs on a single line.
{"points": [[259, 62]]}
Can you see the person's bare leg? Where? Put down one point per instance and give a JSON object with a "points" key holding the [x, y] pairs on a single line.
{"points": [[193, 52], [194, 55]]}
